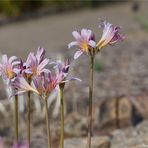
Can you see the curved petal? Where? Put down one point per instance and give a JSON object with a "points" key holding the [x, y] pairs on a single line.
{"points": [[16, 70], [74, 43], [43, 64], [90, 35], [40, 54], [72, 79], [46, 70], [15, 63], [4, 59], [92, 43], [84, 33], [11, 59], [76, 35], [77, 54], [28, 71]]}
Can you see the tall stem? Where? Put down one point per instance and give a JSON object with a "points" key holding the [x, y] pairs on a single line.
{"points": [[90, 101], [62, 118], [28, 117], [16, 117], [117, 113], [47, 123]]}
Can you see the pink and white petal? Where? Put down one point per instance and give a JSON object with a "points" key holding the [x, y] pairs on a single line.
{"points": [[16, 63], [72, 79], [78, 54], [102, 23], [84, 33], [76, 35], [11, 59], [55, 63], [16, 70], [43, 64], [29, 59], [40, 54], [90, 35], [25, 86], [117, 38], [26, 64], [46, 70], [28, 71], [74, 43], [92, 43], [34, 61], [4, 59]]}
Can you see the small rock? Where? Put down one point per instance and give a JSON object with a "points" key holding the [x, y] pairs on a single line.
{"points": [[75, 125]]}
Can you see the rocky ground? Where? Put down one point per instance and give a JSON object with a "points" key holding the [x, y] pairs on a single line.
{"points": [[132, 137], [120, 74]]}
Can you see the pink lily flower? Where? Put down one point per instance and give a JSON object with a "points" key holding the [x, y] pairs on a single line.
{"points": [[8, 68], [85, 41], [110, 35], [20, 85], [62, 69], [45, 84], [35, 64]]}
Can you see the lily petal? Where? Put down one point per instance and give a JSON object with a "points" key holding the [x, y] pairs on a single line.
{"points": [[72, 44], [76, 35], [78, 54], [92, 43]]}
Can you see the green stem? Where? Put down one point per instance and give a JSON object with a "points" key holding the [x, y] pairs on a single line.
{"points": [[117, 113], [28, 117], [90, 101], [16, 117], [62, 118], [47, 123]]}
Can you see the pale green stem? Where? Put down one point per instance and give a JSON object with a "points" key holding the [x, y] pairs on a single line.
{"points": [[28, 117], [90, 102], [48, 123], [62, 118], [16, 117], [117, 112]]}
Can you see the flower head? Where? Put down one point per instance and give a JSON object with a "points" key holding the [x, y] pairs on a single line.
{"points": [[110, 35], [85, 41], [7, 67], [20, 85], [62, 69], [45, 84], [35, 64]]}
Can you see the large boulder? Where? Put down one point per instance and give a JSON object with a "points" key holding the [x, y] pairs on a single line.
{"points": [[131, 111]]}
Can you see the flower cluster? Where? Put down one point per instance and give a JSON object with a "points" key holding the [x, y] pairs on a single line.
{"points": [[85, 39], [33, 75]]}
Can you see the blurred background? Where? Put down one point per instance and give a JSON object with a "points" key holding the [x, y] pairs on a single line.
{"points": [[120, 70]]}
